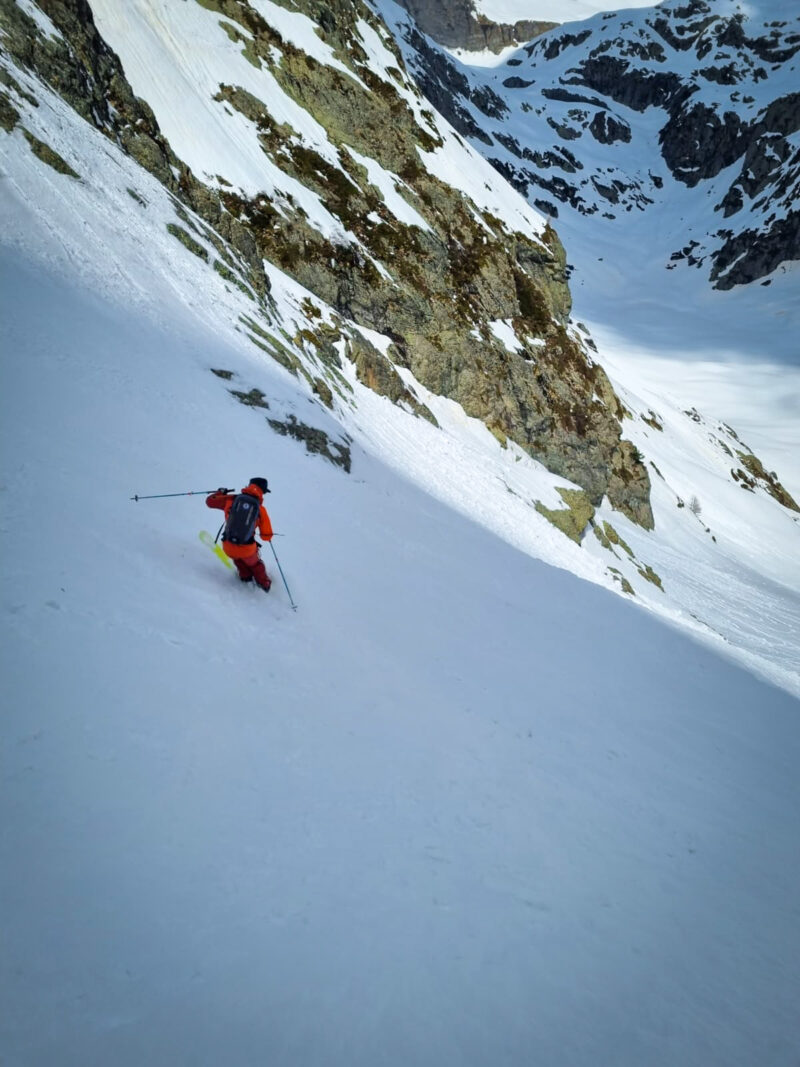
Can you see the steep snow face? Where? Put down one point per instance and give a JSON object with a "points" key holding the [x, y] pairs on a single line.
{"points": [[729, 574], [621, 113], [710, 357], [177, 57], [460, 808]]}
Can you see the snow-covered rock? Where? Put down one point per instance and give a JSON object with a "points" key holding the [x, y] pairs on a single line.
{"points": [[604, 116]]}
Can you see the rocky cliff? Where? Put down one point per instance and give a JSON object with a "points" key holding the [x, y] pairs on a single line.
{"points": [[599, 117], [369, 230], [454, 24]]}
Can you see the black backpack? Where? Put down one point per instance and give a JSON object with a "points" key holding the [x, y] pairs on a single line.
{"points": [[242, 518]]}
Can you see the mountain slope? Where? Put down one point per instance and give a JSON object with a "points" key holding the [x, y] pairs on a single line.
{"points": [[459, 808], [608, 115], [521, 374], [685, 359]]}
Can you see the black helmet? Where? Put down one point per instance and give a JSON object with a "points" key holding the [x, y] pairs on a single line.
{"points": [[261, 483]]}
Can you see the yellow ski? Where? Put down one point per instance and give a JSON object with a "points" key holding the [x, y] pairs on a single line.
{"points": [[207, 539]]}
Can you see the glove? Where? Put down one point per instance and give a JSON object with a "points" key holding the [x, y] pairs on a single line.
{"points": [[222, 489]]}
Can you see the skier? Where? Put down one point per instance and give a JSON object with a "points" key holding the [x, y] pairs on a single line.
{"points": [[243, 513]]}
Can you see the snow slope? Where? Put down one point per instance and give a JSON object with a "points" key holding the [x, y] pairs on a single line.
{"points": [[699, 359], [464, 465], [684, 118], [462, 807]]}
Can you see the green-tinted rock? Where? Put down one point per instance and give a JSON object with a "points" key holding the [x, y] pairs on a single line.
{"points": [[623, 581], [9, 116], [188, 241], [647, 572], [767, 480], [252, 399], [601, 537], [322, 390], [229, 276], [49, 156], [615, 538], [316, 441], [573, 519]]}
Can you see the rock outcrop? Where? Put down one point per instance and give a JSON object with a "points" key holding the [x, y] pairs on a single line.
{"points": [[454, 24], [434, 288], [725, 89]]}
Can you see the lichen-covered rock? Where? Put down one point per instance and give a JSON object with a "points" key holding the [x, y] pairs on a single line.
{"points": [[453, 23], [9, 116], [614, 538], [574, 518], [650, 575], [618, 576], [188, 241], [768, 480], [438, 286], [323, 391], [48, 155], [317, 442]]}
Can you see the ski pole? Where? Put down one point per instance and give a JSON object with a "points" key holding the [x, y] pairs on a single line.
{"points": [[194, 492], [280, 568]]}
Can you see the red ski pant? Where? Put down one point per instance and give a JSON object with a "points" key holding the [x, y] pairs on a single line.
{"points": [[253, 567]]}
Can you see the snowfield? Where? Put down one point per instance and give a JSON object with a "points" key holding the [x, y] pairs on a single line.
{"points": [[468, 805], [459, 807]]}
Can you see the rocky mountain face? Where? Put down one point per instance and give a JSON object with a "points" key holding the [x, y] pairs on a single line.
{"points": [[454, 24], [402, 252], [601, 117]]}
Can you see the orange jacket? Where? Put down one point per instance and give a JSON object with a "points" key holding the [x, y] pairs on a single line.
{"points": [[224, 501]]}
